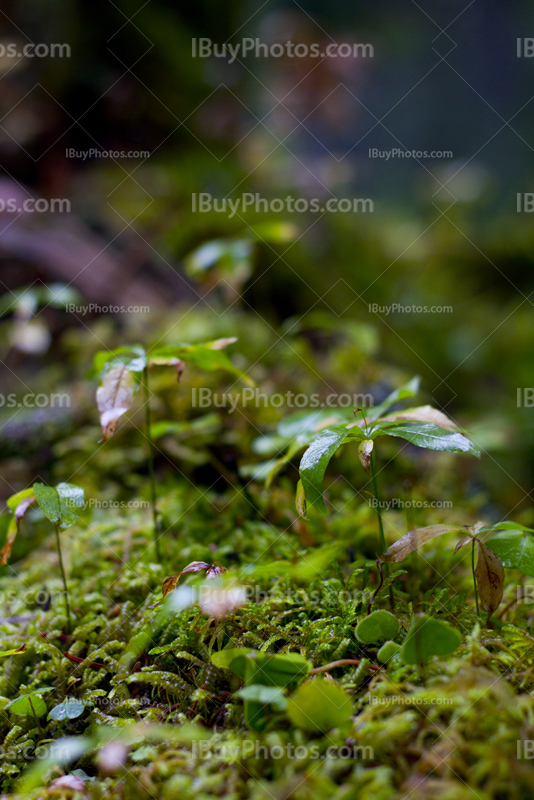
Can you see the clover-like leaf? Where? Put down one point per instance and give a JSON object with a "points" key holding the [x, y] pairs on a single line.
{"points": [[429, 637], [377, 627], [319, 705], [70, 708]]}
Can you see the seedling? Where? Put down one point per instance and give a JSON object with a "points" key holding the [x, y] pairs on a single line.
{"points": [[58, 504], [511, 546], [122, 371], [377, 627], [429, 637], [32, 704]]}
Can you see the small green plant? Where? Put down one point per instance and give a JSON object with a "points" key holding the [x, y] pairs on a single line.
{"points": [[58, 503], [123, 370]]}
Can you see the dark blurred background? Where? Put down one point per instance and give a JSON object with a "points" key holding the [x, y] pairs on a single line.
{"points": [[445, 231]]}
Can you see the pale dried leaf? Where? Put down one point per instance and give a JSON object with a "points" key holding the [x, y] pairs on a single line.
{"points": [[489, 573], [13, 529], [114, 397], [463, 542], [413, 539], [364, 453], [422, 414]]}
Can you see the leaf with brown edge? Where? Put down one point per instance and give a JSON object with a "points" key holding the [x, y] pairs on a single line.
{"points": [[463, 542], [114, 397], [473, 530], [14, 527], [212, 571], [489, 573], [413, 539], [364, 453], [422, 414]]}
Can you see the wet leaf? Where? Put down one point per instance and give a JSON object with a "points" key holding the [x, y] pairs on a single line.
{"points": [[515, 549], [422, 414], [114, 397], [70, 708], [59, 503], [432, 437], [413, 539], [489, 573], [315, 461]]}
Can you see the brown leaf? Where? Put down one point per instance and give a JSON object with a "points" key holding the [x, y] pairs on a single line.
{"points": [[213, 571], [463, 542], [413, 539], [422, 414], [489, 573], [114, 397], [220, 344], [13, 529]]}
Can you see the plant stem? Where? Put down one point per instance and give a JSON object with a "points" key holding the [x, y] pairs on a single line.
{"points": [[62, 568], [474, 576], [381, 526], [151, 466], [35, 717]]}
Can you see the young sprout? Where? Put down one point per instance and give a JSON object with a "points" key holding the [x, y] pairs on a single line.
{"points": [[121, 372], [58, 503]]}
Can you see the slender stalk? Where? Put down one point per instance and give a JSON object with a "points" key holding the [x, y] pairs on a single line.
{"points": [[378, 510], [474, 576], [151, 465], [62, 568], [381, 526], [36, 718]]}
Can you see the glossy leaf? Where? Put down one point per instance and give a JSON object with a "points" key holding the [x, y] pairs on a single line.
{"points": [[70, 708], [377, 627], [432, 437], [315, 461], [59, 503], [429, 637], [319, 705], [134, 357], [489, 573], [515, 550], [414, 539], [421, 414]]}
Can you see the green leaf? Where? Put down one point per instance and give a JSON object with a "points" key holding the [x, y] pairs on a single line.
{"points": [[133, 357], [515, 550], [70, 708], [208, 356], [22, 706], [319, 705], [387, 651], [316, 458], [58, 503], [62, 752], [266, 669], [265, 695], [376, 627], [409, 389], [431, 437], [17, 498], [429, 637]]}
